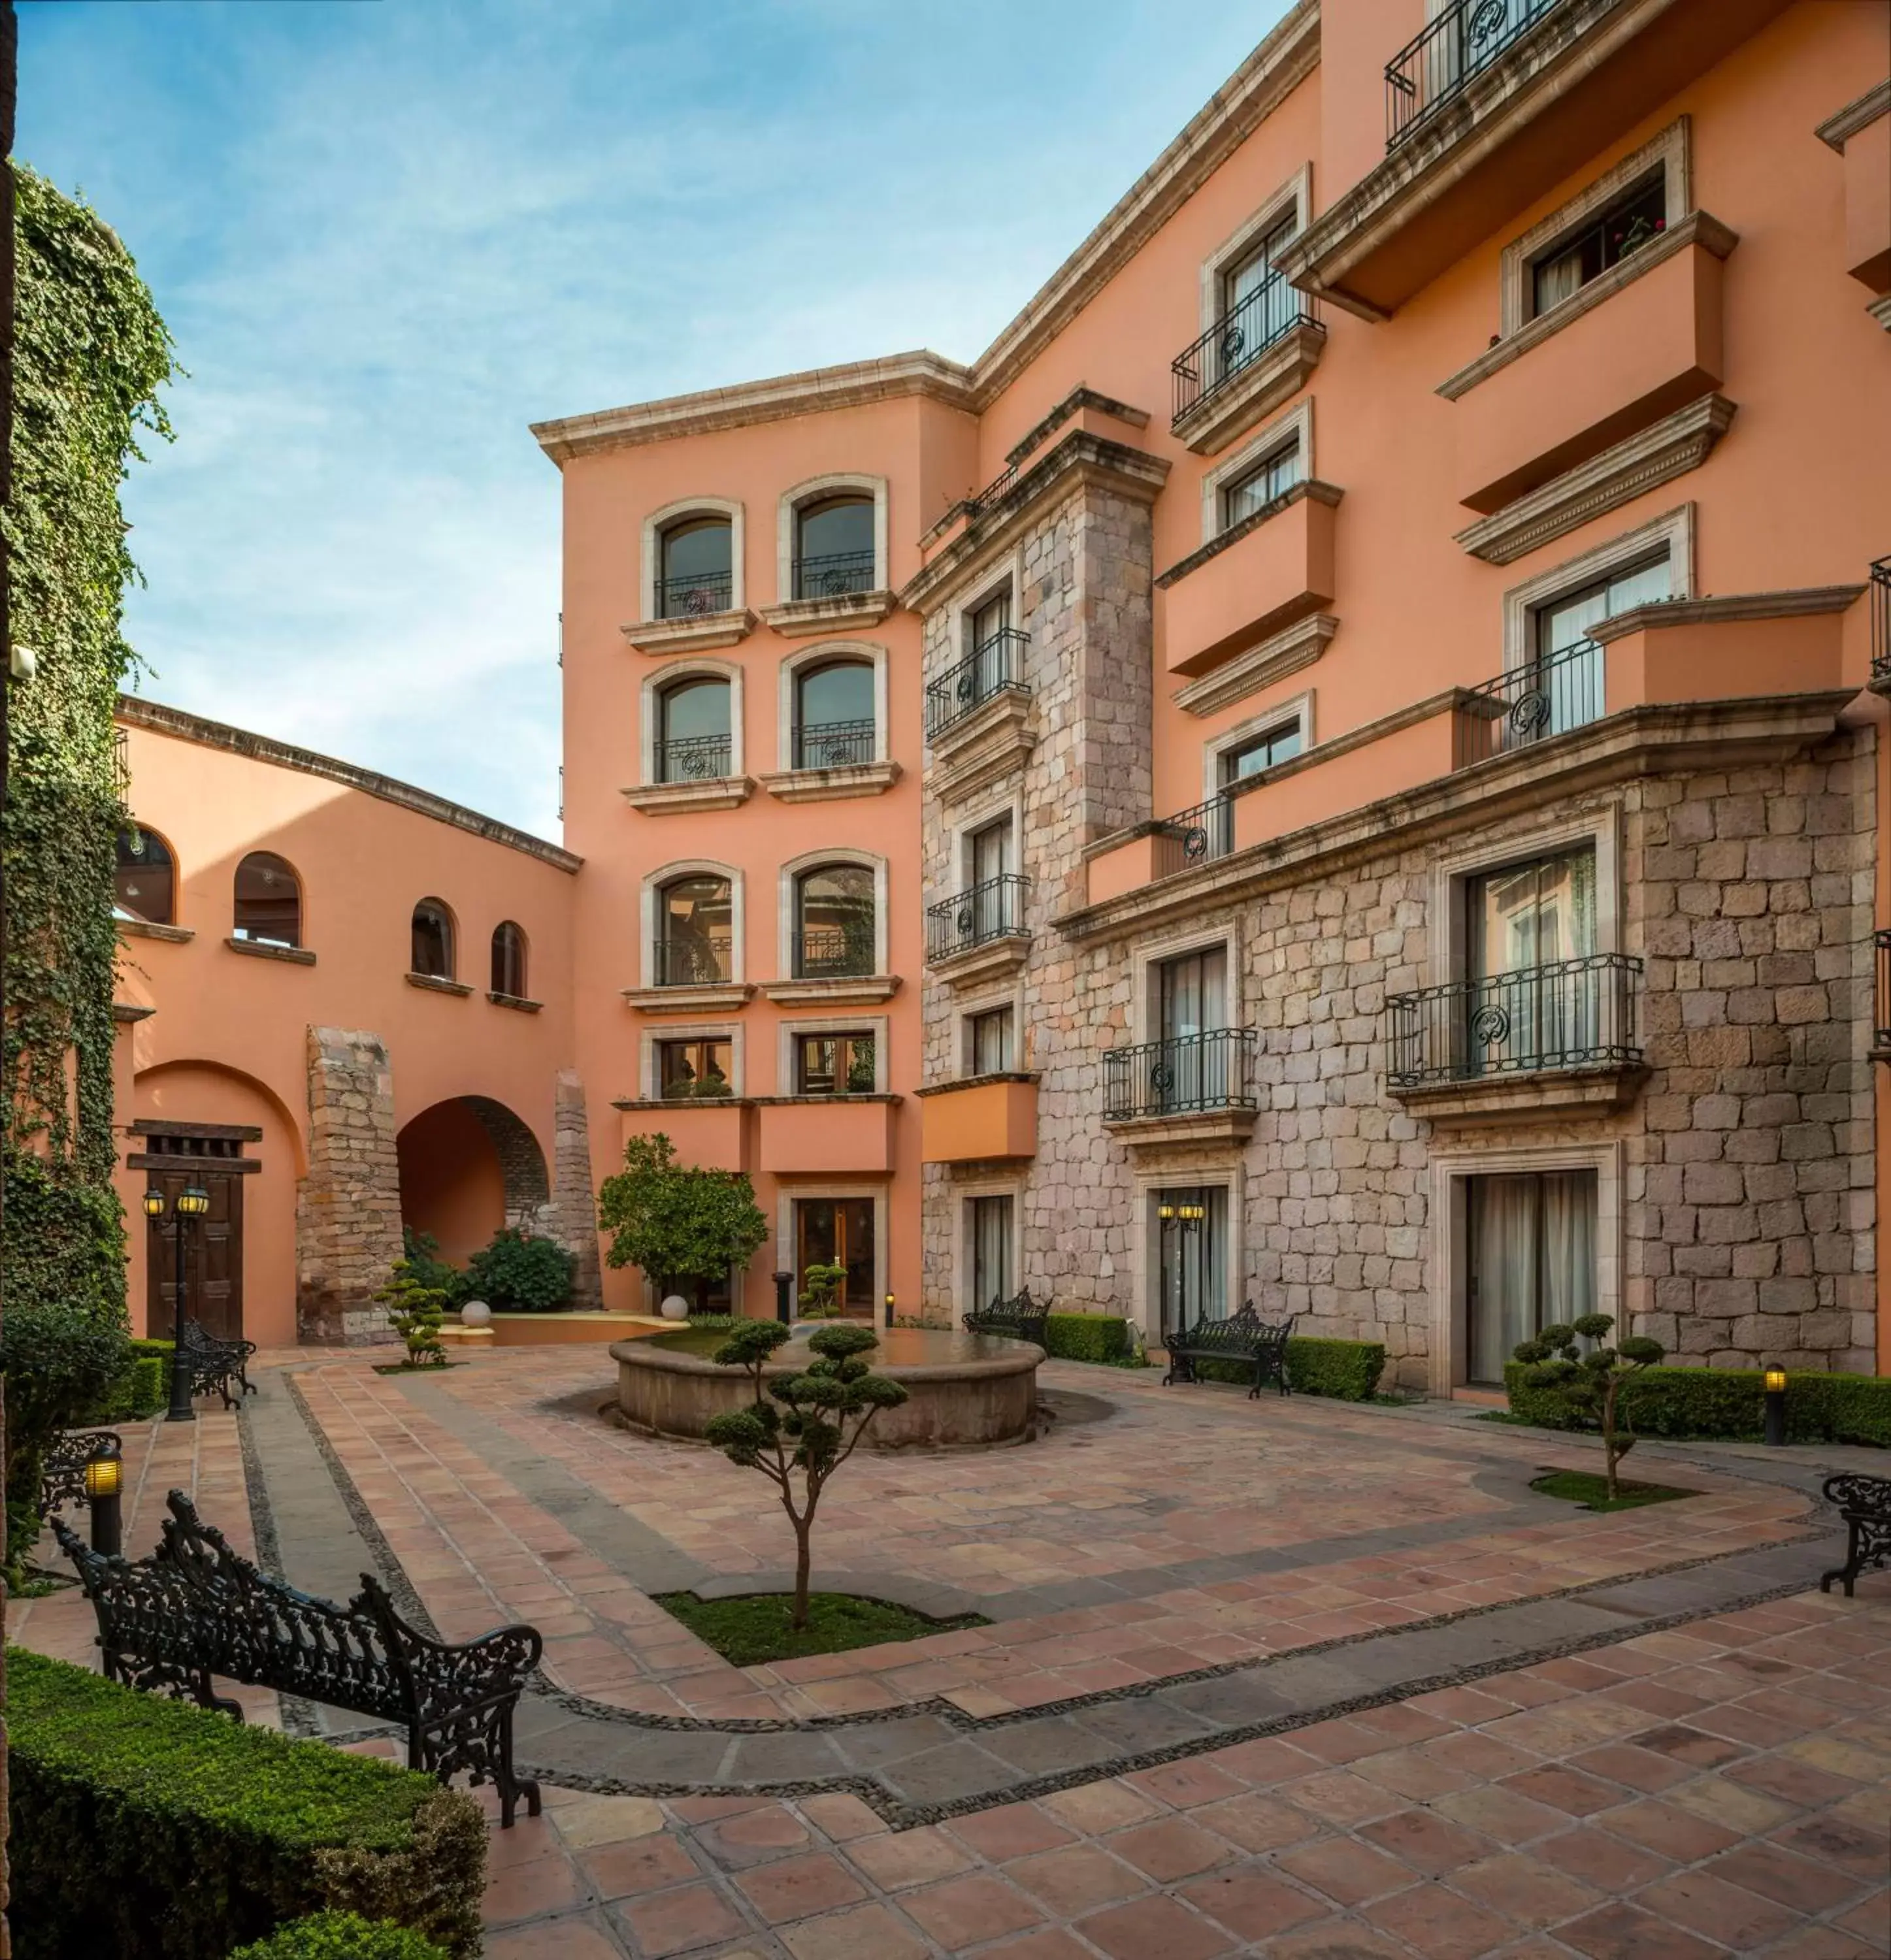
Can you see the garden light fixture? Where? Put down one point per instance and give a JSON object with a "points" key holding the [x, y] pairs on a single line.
{"points": [[1774, 1380], [104, 1480]]}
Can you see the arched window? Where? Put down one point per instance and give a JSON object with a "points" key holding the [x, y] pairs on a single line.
{"points": [[693, 739], [834, 922], [695, 576], [834, 724], [145, 885], [432, 940], [268, 901], [834, 546], [508, 961], [695, 920]]}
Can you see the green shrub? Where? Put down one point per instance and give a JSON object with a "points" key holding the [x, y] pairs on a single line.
{"points": [[1344, 1371], [516, 1273], [1087, 1336], [1725, 1403], [142, 1390], [342, 1936], [60, 1362], [116, 1794], [421, 1251]]}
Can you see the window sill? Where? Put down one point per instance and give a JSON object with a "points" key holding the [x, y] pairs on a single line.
{"points": [[434, 983], [517, 1003], [673, 1103], [674, 799], [838, 989], [1183, 1128], [259, 949], [712, 996], [693, 634], [990, 959], [839, 1098], [132, 928], [852, 779], [1546, 1095], [996, 738], [801, 618]]}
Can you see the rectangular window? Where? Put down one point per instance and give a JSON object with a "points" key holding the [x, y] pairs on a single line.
{"points": [[694, 1068], [1256, 488], [991, 619], [1562, 675], [991, 1044], [990, 1250], [1531, 1261], [834, 1065], [1603, 241], [1259, 752], [1191, 1228], [1530, 1002], [1192, 993], [990, 852]]}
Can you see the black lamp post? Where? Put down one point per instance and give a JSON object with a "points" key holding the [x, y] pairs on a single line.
{"points": [[1774, 1398], [783, 1311], [889, 1305], [104, 1485], [191, 1203]]}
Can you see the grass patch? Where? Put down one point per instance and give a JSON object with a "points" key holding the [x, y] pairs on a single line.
{"points": [[754, 1628], [1590, 1490], [703, 1341]]}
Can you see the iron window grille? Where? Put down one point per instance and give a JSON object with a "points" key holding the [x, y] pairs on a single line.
{"points": [[1187, 1073], [834, 574], [1881, 618], [1238, 339], [1197, 836], [1572, 1013], [694, 597], [834, 952], [1547, 695], [701, 960], [835, 745], [1451, 51], [990, 669], [690, 759], [993, 909], [1881, 1018]]}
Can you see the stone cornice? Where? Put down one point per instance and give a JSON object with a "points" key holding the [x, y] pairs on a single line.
{"points": [[1730, 609], [136, 712], [1080, 397], [1286, 652], [1838, 130]]}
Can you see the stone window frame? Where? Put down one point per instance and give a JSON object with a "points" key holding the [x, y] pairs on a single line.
{"points": [[787, 1196], [649, 1039], [1292, 425], [863, 653], [1297, 709], [650, 557], [812, 860], [1671, 150], [1006, 572], [1146, 1305], [1145, 959], [1450, 1252], [1453, 870], [1011, 996], [1297, 192], [964, 1251], [1674, 528], [655, 684], [654, 881], [1006, 803], [787, 1040], [814, 488]]}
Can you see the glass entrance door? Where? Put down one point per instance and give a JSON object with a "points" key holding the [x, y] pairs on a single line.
{"points": [[1532, 1245], [1190, 1227], [1527, 1005], [839, 1232], [1188, 1072]]}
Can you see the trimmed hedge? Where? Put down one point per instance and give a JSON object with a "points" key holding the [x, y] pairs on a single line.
{"points": [[144, 1388], [1087, 1336], [342, 1936], [1344, 1371], [114, 1793], [1725, 1403]]}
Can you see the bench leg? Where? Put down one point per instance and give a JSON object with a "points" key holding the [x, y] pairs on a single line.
{"points": [[1846, 1574]]}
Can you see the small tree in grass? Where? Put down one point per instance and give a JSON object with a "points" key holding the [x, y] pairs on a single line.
{"points": [[823, 1416], [1590, 1383], [415, 1310], [672, 1222]]}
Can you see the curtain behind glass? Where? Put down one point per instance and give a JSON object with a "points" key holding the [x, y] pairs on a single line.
{"points": [[991, 1250], [1503, 1278], [1569, 1245]]}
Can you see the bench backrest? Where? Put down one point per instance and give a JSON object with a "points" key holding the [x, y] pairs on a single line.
{"points": [[1244, 1332], [1860, 1496], [1020, 1316]]}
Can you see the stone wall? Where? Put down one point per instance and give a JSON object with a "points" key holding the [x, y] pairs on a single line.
{"points": [[348, 1206], [572, 1218]]}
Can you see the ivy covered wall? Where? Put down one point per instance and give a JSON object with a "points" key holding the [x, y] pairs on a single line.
{"points": [[91, 353]]}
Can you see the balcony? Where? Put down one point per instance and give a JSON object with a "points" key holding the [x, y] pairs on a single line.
{"points": [[836, 745], [978, 717], [689, 773], [833, 592], [1492, 108], [832, 761], [1257, 356], [1621, 354], [1540, 1041], [994, 669], [982, 1121], [1544, 697], [1259, 575], [980, 933], [691, 975], [825, 1136], [709, 1134], [1860, 132], [1190, 1089], [833, 965]]}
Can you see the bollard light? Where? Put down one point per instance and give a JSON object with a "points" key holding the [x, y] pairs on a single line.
{"points": [[104, 1483], [783, 1311], [1774, 1381], [890, 1310]]}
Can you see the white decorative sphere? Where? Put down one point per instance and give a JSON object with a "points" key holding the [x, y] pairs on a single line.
{"points": [[476, 1313], [675, 1308]]}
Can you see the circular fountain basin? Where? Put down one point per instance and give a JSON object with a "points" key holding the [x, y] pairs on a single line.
{"points": [[962, 1390]]}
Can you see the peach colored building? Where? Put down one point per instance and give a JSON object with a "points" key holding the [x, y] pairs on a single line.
{"points": [[1337, 762]]}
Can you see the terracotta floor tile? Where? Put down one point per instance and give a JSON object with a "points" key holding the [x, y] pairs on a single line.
{"points": [[1429, 1843], [1171, 1848], [1076, 1879], [1623, 1931], [860, 1932], [547, 1884], [961, 1912], [1013, 1829], [1706, 1904], [1157, 1925], [680, 1921], [798, 1888], [904, 1858], [1517, 1887], [1345, 1869], [642, 1865], [1252, 1900], [1434, 1921], [576, 1938]]}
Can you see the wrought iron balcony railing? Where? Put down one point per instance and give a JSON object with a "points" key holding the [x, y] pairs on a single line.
{"points": [[691, 598], [992, 910], [1881, 618], [834, 952], [1881, 1016], [1237, 340], [1185, 1074], [1574, 1014], [1193, 837], [834, 574], [999, 664], [699, 961], [835, 745], [691, 759], [1454, 49], [1546, 696]]}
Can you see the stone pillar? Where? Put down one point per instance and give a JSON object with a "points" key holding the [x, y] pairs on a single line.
{"points": [[573, 1218], [347, 1208]]}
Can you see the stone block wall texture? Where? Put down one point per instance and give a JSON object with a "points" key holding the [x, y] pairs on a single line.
{"points": [[348, 1206], [572, 1217]]}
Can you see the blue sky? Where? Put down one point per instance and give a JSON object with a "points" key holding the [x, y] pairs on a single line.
{"points": [[388, 234]]}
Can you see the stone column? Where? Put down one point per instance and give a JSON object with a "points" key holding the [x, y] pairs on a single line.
{"points": [[347, 1208], [573, 1221]]}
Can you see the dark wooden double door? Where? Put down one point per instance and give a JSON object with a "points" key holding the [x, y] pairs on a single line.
{"points": [[213, 1254]]}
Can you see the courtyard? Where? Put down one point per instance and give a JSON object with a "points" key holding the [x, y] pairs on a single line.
{"points": [[1284, 1676]]}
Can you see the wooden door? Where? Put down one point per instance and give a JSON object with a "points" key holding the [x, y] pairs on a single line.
{"points": [[213, 1254]]}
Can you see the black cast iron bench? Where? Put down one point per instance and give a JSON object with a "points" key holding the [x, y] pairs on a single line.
{"points": [[195, 1608], [212, 1362], [62, 1469], [1864, 1503], [1242, 1337], [1021, 1318]]}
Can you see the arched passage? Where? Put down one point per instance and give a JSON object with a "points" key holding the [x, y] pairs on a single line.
{"points": [[468, 1166]]}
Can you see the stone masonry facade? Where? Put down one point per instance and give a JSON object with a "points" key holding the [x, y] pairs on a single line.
{"points": [[348, 1206]]}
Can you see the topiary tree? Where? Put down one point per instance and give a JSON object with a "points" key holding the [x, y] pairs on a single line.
{"points": [[676, 1223], [519, 1273], [823, 1416], [820, 1292], [415, 1310], [1590, 1381]]}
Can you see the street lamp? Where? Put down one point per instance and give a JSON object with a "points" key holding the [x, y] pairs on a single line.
{"points": [[191, 1203]]}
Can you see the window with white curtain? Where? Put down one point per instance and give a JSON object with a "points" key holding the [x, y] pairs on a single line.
{"points": [[992, 1250], [1532, 1245]]}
